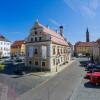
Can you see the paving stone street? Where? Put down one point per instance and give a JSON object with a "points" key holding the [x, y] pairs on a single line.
{"points": [[27, 86], [87, 91]]}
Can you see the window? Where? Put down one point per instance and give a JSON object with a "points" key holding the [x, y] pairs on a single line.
{"points": [[64, 51], [43, 63], [61, 51], [53, 61], [39, 38], [61, 59], [36, 62], [35, 32], [30, 62], [31, 39], [53, 51], [35, 51], [58, 51], [35, 39]]}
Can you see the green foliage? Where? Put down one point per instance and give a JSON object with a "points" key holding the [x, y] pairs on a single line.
{"points": [[2, 67]]}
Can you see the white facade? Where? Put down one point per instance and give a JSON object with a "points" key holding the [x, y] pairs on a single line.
{"points": [[5, 48]]}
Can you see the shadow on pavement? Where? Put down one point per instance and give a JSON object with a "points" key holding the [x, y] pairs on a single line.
{"points": [[90, 85]]}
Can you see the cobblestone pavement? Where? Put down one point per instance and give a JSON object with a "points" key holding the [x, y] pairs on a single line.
{"points": [[20, 85], [87, 91], [17, 85], [60, 87]]}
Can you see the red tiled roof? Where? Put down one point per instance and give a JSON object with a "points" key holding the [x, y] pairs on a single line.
{"points": [[17, 44], [55, 37], [84, 44]]}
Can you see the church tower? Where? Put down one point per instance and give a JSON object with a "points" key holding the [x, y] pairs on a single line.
{"points": [[87, 36]]}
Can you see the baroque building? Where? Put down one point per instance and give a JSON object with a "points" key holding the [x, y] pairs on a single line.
{"points": [[46, 49]]}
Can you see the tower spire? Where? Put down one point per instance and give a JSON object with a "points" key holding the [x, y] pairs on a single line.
{"points": [[87, 36]]}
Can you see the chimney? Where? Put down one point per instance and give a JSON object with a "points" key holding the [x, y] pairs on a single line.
{"points": [[61, 30]]}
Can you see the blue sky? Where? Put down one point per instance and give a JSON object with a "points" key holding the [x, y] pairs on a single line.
{"points": [[18, 16]]}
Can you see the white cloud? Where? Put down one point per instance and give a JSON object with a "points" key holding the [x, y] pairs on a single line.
{"points": [[86, 7], [94, 4], [54, 22], [87, 11]]}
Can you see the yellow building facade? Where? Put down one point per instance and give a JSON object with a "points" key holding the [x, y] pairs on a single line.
{"points": [[18, 48], [84, 48]]}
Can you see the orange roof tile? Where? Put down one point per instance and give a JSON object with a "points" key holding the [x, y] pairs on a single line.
{"points": [[55, 37], [84, 44], [17, 44]]}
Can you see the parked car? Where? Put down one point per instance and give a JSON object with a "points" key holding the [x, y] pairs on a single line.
{"points": [[91, 70], [95, 78], [95, 69], [87, 76], [89, 67], [8, 62], [18, 72], [18, 60], [88, 63]]}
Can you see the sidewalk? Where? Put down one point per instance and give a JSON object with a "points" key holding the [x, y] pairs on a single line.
{"points": [[45, 74]]}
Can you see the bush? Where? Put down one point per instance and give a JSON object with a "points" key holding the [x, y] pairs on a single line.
{"points": [[2, 67]]}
